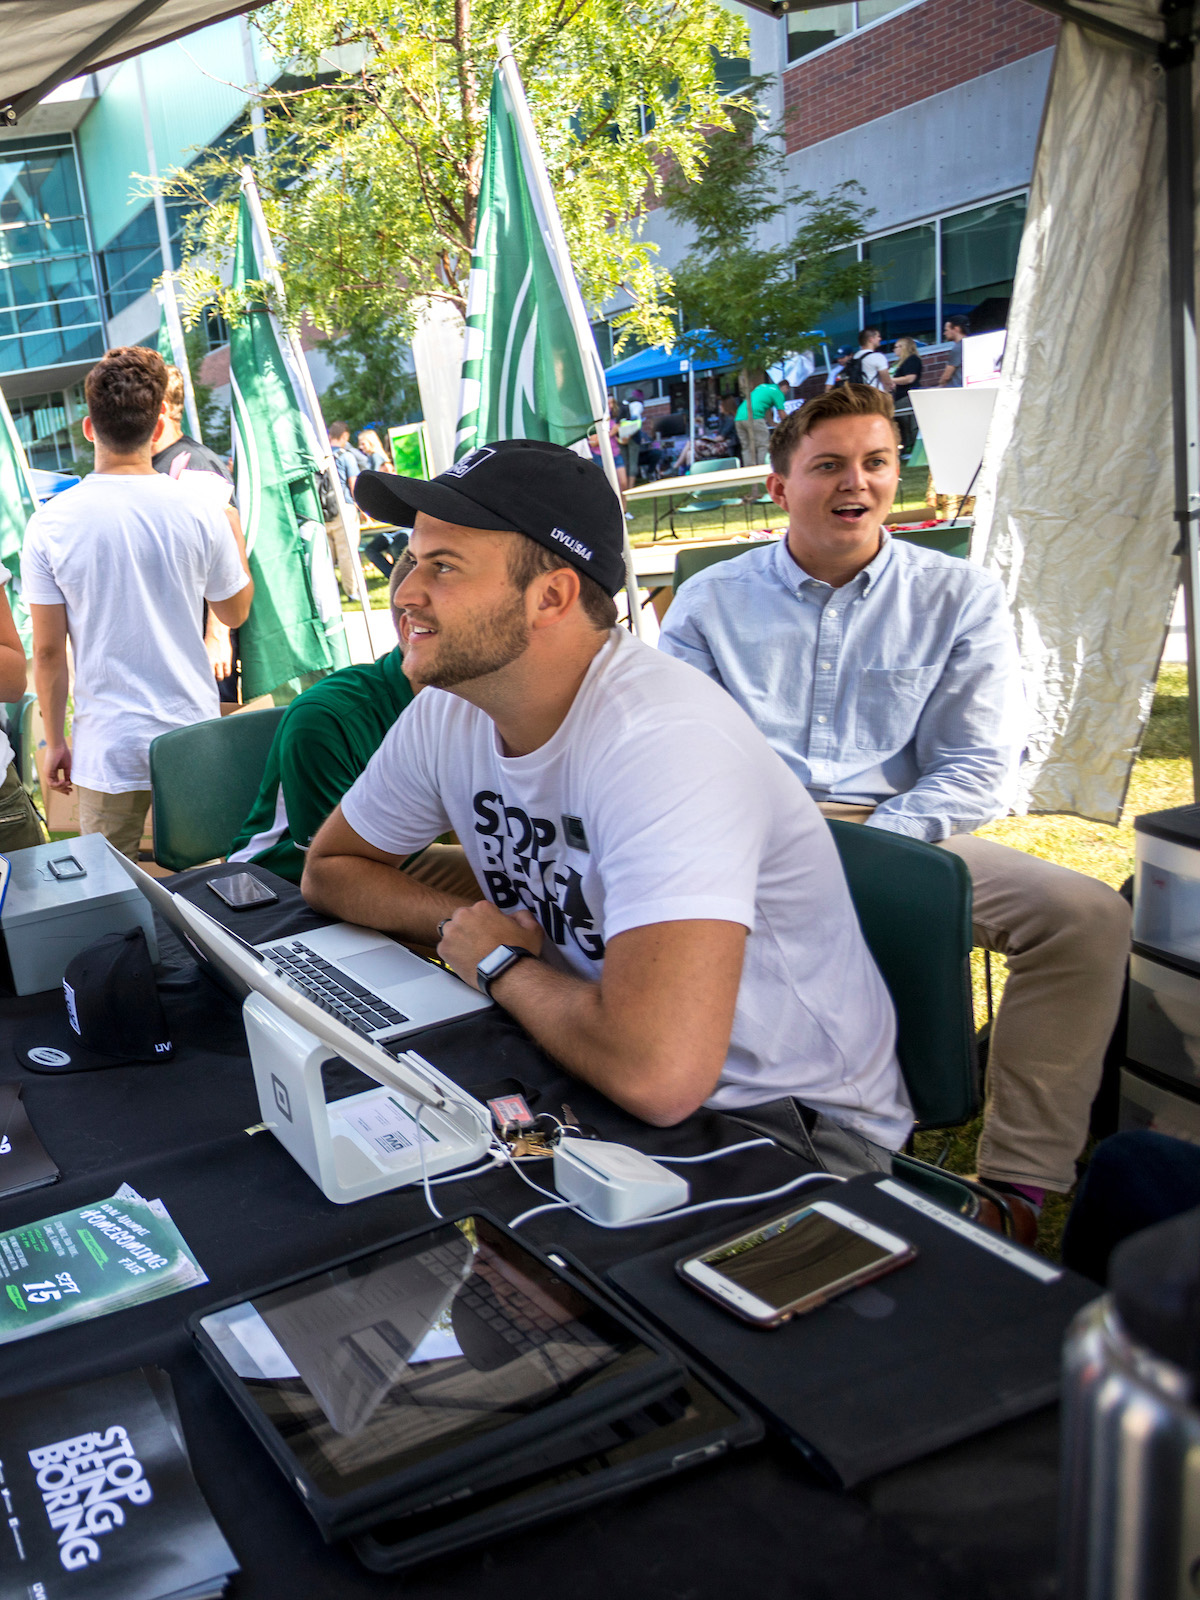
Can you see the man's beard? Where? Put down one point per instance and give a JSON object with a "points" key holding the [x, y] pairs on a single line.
{"points": [[494, 641]]}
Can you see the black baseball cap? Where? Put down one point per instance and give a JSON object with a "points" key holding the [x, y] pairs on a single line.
{"points": [[523, 486], [111, 1017]]}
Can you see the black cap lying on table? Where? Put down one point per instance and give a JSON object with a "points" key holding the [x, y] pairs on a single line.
{"points": [[523, 486], [112, 1016]]}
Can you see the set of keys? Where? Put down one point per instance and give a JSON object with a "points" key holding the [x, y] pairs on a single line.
{"points": [[529, 1137]]}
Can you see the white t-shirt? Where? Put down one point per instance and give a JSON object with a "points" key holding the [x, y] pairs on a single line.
{"points": [[872, 365], [658, 800], [132, 557]]}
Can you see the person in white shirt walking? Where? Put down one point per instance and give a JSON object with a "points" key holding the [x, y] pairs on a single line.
{"points": [[666, 913], [121, 564], [866, 365]]}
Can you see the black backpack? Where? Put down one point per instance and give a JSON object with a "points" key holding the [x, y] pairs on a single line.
{"points": [[853, 372]]}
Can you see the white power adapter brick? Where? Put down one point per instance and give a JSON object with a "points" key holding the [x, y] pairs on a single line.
{"points": [[612, 1183]]}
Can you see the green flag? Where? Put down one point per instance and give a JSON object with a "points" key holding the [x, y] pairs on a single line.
{"points": [[18, 502], [523, 375], [295, 629], [165, 349]]}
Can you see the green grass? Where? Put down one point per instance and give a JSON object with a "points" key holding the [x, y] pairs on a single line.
{"points": [[1162, 776]]}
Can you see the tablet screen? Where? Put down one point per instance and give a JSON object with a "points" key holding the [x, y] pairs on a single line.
{"points": [[373, 1366]]}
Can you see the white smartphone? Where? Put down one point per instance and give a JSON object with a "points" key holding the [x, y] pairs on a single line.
{"points": [[794, 1263]]}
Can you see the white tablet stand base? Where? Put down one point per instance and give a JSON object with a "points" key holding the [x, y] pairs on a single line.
{"points": [[365, 1144]]}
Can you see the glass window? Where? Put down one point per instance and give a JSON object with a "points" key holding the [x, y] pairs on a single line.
{"points": [[902, 299], [979, 257], [813, 30], [132, 262], [840, 323], [47, 285], [42, 427]]}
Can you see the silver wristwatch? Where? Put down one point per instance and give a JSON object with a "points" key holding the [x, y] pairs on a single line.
{"points": [[497, 961]]}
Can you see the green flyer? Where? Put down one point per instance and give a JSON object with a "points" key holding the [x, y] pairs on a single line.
{"points": [[87, 1263]]}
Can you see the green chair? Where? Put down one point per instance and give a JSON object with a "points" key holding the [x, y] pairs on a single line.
{"points": [[689, 562], [203, 781], [914, 906], [951, 538], [707, 499], [18, 716]]}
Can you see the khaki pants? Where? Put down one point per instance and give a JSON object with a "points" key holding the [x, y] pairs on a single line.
{"points": [[119, 817], [20, 825], [1066, 940], [339, 548], [755, 436]]}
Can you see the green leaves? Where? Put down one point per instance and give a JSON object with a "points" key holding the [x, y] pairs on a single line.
{"points": [[376, 135]]}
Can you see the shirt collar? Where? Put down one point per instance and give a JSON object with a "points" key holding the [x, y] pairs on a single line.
{"points": [[794, 577]]}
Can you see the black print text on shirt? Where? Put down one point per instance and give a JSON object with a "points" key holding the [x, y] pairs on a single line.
{"points": [[521, 867]]}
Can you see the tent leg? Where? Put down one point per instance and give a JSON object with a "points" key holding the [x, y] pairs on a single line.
{"points": [[1177, 54]]}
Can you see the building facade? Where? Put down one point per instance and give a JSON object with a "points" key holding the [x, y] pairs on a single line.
{"points": [[933, 108], [79, 239]]}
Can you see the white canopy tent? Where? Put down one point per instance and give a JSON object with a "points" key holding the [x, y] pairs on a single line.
{"points": [[1090, 487], [48, 42]]}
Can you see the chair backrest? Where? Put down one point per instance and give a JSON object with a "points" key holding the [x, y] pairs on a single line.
{"points": [[716, 464], [914, 905], [18, 719], [951, 538], [689, 562], [203, 781]]}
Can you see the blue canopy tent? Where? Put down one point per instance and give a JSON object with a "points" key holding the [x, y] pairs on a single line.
{"points": [[657, 363]]}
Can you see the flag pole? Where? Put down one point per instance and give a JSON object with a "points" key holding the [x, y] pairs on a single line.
{"points": [[556, 244], [169, 303], [268, 263]]}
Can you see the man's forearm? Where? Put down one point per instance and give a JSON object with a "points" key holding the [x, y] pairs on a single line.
{"points": [[374, 894], [568, 1018], [50, 685]]}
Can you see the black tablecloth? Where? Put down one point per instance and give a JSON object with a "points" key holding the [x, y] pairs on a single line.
{"points": [[976, 1520]]}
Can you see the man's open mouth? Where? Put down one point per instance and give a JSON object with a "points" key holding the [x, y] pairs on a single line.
{"points": [[850, 513]]}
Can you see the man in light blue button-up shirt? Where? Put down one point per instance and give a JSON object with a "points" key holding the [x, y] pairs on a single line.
{"points": [[887, 677]]}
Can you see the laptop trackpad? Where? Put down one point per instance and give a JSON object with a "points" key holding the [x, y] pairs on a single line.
{"points": [[384, 967]]}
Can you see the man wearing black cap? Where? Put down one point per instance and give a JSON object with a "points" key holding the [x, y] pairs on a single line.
{"points": [[666, 913]]}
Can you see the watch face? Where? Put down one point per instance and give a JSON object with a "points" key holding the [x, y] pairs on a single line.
{"points": [[494, 960]]}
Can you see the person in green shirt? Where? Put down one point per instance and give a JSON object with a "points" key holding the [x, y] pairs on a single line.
{"points": [[754, 431], [324, 740]]}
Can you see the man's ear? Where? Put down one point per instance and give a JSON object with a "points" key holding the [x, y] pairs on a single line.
{"points": [[777, 490], [556, 593], [89, 433], [159, 429]]}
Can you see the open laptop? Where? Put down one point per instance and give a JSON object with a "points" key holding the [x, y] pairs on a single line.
{"points": [[369, 982]]}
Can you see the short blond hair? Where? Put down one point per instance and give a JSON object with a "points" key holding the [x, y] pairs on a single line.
{"points": [[846, 400], [173, 399]]}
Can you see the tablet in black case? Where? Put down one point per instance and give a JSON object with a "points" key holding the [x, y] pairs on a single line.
{"points": [[413, 1368]]}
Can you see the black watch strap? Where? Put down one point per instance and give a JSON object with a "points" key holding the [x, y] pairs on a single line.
{"points": [[513, 954]]}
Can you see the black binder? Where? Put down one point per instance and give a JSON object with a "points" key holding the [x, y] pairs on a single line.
{"points": [[965, 1337]]}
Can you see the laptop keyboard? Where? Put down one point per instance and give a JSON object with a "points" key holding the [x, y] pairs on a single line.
{"points": [[333, 990]]}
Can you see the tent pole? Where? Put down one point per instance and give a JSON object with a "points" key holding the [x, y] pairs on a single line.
{"points": [[1176, 56]]}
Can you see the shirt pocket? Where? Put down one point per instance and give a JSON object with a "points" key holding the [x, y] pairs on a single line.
{"points": [[889, 705]]}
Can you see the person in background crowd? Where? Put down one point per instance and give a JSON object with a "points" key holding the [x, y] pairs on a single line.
{"points": [[630, 433], [196, 466], [956, 330], [726, 426], [370, 447], [323, 742], [661, 951], [867, 365], [887, 677], [614, 434], [128, 595], [906, 376], [20, 825], [841, 357], [764, 400], [349, 463]]}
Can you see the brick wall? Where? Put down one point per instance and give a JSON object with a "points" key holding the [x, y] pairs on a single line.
{"points": [[922, 52]]}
